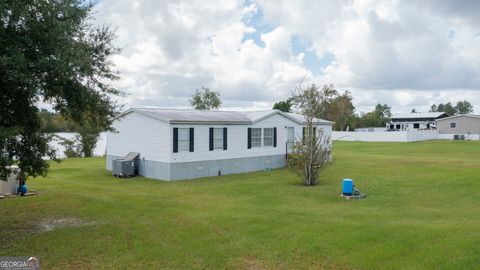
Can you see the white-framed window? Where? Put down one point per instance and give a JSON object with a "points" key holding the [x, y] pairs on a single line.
{"points": [[218, 138], [453, 125], [183, 139], [268, 137], [290, 134], [256, 137]]}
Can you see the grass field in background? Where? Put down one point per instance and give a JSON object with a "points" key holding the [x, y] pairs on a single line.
{"points": [[422, 212]]}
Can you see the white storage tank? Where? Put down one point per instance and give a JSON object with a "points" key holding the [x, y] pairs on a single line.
{"points": [[8, 186]]}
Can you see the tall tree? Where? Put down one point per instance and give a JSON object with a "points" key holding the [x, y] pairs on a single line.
{"points": [[51, 52], [463, 107], [206, 99], [313, 152], [379, 117], [284, 106], [341, 110], [447, 107], [328, 93]]}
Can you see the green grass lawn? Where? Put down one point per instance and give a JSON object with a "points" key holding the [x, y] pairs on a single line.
{"points": [[422, 212]]}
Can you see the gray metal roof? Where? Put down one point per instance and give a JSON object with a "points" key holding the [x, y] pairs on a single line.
{"points": [[301, 118], [417, 115], [195, 115], [225, 117], [460, 115]]}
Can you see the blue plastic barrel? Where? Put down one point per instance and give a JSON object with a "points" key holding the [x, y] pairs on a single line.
{"points": [[347, 187], [22, 189]]}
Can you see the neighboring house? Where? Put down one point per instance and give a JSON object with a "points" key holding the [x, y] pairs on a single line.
{"points": [[184, 144], [461, 125], [414, 121]]}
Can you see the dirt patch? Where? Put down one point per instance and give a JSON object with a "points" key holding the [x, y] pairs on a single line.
{"points": [[250, 262], [52, 224]]}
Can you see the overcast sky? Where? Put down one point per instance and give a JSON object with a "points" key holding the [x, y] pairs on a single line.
{"points": [[408, 54]]}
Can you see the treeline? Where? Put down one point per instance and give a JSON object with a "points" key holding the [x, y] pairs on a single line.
{"points": [[338, 107], [82, 145], [462, 107], [55, 122]]}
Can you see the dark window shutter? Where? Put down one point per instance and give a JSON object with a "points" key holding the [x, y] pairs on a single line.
{"points": [[315, 133], [224, 138], [303, 136], [249, 138], [210, 139], [274, 137], [175, 140], [191, 139]]}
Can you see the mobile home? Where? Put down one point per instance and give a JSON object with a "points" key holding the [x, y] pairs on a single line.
{"points": [[185, 144]]}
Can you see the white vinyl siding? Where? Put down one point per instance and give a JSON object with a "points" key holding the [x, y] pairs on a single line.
{"points": [[218, 138], [238, 140], [183, 140], [256, 137], [268, 137], [138, 133], [153, 139]]}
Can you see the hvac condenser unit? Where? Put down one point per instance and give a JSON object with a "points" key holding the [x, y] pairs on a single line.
{"points": [[127, 166]]}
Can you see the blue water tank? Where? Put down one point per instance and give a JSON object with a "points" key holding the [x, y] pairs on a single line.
{"points": [[347, 187], [22, 189]]}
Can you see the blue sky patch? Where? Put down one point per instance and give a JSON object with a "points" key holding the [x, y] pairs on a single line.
{"points": [[311, 61], [451, 34], [258, 22], [300, 44]]}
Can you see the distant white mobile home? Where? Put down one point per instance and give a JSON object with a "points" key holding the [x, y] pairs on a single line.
{"points": [[185, 144], [414, 121]]}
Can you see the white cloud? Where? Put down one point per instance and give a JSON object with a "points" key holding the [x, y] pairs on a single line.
{"points": [[415, 49], [173, 48], [408, 54]]}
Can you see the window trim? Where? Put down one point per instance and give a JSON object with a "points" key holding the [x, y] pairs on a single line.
{"points": [[253, 137], [264, 137], [184, 141], [218, 142], [293, 133], [454, 125]]}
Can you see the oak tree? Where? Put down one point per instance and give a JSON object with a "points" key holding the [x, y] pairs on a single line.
{"points": [[51, 52]]}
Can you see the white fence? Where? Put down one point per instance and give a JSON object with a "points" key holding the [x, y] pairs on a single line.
{"points": [[421, 135], [98, 151], [388, 136]]}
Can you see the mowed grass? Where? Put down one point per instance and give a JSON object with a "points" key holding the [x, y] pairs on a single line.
{"points": [[422, 212]]}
